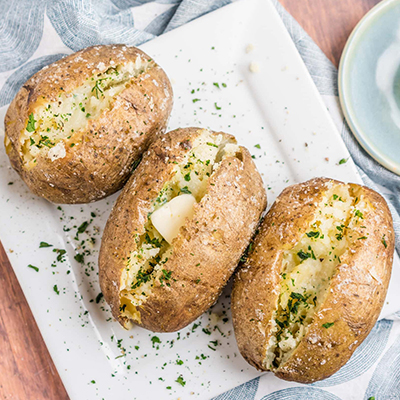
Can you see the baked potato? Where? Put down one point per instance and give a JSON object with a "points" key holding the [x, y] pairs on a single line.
{"points": [[315, 280], [178, 229], [77, 128]]}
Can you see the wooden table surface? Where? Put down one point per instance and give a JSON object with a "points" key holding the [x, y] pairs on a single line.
{"points": [[27, 371]]}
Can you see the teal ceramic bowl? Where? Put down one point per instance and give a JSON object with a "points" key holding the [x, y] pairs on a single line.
{"points": [[369, 83]]}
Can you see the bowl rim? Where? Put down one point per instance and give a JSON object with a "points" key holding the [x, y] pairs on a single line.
{"points": [[355, 127]]}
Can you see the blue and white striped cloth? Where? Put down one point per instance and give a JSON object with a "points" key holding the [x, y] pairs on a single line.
{"points": [[374, 369]]}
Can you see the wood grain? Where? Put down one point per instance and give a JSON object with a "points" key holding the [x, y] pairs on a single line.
{"points": [[26, 369], [329, 22]]}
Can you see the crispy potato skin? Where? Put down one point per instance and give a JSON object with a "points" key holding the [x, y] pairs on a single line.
{"points": [[227, 218], [354, 299], [101, 160]]}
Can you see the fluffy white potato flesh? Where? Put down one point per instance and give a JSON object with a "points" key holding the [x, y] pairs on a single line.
{"points": [[53, 122], [171, 216], [308, 268], [173, 206]]}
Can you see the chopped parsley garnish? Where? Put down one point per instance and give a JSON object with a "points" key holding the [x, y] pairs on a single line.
{"points": [[181, 381], [216, 106], [141, 277], [297, 296], [313, 234], [384, 241], [80, 258], [55, 288], [362, 238], [30, 126], [60, 252], [99, 297], [154, 241], [187, 177], [166, 274], [195, 100], [304, 256], [96, 89], [335, 197], [359, 214], [212, 144], [33, 267], [155, 339], [82, 227], [216, 85], [186, 190], [179, 362], [44, 244], [343, 161], [44, 141], [257, 146], [328, 325]]}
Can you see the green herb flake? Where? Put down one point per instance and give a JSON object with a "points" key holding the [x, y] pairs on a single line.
{"points": [[384, 241], [195, 100], [55, 288], [33, 267], [80, 258], [179, 362], [313, 234], [212, 144], [99, 297], [216, 106], [60, 254], [303, 256], [187, 177], [186, 190], [44, 244], [343, 161], [257, 146], [30, 126], [359, 214], [155, 339], [181, 381], [216, 85], [82, 227], [328, 325]]}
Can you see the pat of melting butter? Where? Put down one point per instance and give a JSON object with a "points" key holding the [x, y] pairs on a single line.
{"points": [[172, 215]]}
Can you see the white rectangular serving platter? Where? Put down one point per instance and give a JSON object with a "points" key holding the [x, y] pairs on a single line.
{"points": [[276, 112]]}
